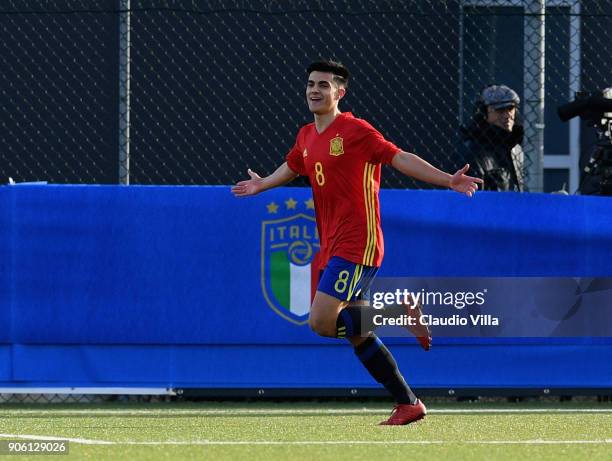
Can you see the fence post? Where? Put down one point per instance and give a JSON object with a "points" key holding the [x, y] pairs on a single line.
{"points": [[533, 87], [574, 80], [124, 91]]}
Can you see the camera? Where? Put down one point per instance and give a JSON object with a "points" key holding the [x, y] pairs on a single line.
{"points": [[596, 110]]}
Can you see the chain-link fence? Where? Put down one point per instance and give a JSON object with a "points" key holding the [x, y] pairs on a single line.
{"points": [[58, 92], [195, 92]]}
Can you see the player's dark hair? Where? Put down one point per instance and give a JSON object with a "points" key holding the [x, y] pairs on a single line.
{"points": [[341, 73]]}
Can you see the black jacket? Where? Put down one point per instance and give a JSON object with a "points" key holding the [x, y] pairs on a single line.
{"points": [[494, 155]]}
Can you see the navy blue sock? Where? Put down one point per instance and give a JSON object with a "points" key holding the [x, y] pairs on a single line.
{"points": [[382, 366], [359, 320]]}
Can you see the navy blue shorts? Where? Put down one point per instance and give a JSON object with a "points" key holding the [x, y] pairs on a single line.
{"points": [[345, 280]]}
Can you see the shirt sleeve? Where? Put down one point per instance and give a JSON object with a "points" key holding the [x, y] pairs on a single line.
{"points": [[295, 159], [378, 149]]}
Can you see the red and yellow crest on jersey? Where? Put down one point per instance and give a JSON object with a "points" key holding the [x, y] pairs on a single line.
{"points": [[336, 146]]}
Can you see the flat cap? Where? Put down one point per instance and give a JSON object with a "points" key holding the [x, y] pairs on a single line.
{"points": [[500, 96]]}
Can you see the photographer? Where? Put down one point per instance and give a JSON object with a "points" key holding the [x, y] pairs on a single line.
{"points": [[491, 142]]}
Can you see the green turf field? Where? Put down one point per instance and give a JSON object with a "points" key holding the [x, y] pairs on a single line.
{"points": [[306, 430]]}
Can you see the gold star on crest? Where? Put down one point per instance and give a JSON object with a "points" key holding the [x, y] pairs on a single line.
{"points": [[291, 204], [309, 204], [272, 208]]}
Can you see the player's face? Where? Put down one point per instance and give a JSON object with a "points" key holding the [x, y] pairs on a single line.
{"points": [[503, 118], [322, 94]]}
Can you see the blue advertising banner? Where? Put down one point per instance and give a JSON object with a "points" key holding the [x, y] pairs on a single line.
{"points": [[196, 276]]}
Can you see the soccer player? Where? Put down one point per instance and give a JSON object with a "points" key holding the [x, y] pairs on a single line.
{"points": [[342, 157]]}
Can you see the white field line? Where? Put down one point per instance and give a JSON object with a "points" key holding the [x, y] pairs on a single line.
{"points": [[307, 442], [288, 411], [51, 438]]}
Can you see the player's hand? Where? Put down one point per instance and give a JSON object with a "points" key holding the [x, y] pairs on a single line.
{"points": [[464, 184], [249, 187]]}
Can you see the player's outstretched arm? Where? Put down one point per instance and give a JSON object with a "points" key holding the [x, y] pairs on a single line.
{"points": [[415, 166], [257, 184]]}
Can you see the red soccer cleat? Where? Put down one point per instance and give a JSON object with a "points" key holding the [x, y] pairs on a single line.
{"points": [[419, 329], [404, 413]]}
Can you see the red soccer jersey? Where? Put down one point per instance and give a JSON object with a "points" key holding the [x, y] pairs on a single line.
{"points": [[343, 164]]}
